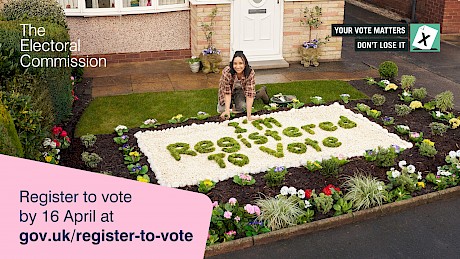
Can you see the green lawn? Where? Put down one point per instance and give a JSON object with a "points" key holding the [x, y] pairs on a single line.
{"points": [[105, 113]]}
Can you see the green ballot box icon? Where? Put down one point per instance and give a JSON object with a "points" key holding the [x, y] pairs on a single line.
{"points": [[425, 38]]}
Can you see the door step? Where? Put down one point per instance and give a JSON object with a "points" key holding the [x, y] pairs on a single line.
{"points": [[269, 64]]}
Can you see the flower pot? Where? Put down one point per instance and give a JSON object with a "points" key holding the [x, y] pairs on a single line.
{"points": [[309, 56], [210, 62], [195, 67]]}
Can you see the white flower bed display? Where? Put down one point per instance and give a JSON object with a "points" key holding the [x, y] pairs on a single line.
{"points": [[189, 170]]}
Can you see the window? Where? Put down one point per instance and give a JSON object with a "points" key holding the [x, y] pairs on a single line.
{"points": [[119, 7]]}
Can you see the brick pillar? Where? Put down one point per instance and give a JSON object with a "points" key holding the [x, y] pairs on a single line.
{"points": [[451, 19], [295, 34], [221, 38]]}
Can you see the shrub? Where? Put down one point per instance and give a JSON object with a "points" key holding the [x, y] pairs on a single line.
{"points": [[40, 10], [364, 191], [438, 128], [28, 122], [55, 79], [330, 167], [324, 203], [378, 99], [91, 159], [444, 101], [426, 149], [402, 109], [388, 70], [385, 157], [419, 93], [275, 176], [9, 140], [279, 212], [8, 65], [88, 140], [40, 100], [407, 82]]}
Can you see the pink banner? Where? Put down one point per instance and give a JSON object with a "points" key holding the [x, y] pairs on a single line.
{"points": [[57, 212]]}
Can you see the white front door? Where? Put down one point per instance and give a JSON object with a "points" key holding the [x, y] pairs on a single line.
{"points": [[256, 29]]}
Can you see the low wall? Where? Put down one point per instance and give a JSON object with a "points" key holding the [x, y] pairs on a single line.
{"points": [[131, 33]]}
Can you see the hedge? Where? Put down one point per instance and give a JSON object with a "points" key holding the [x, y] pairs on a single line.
{"points": [[9, 140], [56, 79]]}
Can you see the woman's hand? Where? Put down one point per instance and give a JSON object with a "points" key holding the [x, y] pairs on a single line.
{"points": [[253, 118], [225, 115]]}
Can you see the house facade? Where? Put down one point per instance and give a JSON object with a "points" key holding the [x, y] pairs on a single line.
{"points": [[144, 30]]}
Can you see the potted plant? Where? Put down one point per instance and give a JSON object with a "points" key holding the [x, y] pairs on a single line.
{"points": [[310, 49], [194, 63], [210, 57]]}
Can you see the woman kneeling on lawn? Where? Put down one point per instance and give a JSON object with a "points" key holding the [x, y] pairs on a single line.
{"points": [[237, 87]]}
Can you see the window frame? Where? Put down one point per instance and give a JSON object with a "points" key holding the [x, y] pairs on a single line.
{"points": [[119, 10]]}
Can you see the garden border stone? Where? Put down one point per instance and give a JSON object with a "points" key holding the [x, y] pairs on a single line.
{"points": [[329, 223]]}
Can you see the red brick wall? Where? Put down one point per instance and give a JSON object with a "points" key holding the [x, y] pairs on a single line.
{"points": [[445, 12], [402, 7], [451, 20], [143, 56], [430, 11]]}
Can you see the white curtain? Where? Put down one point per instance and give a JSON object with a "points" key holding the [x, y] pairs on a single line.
{"points": [[167, 2]]}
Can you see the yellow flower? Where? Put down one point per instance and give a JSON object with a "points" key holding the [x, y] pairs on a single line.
{"points": [[317, 164], [178, 116], [421, 184], [134, 153], [391, 86], [208, 183], [429, 142], [415, 104], [295, 100], [455, 122], [142, 179], [48, 158]]}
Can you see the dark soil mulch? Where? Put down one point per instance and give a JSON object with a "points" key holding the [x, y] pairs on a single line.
{"points": [[299, 177]]}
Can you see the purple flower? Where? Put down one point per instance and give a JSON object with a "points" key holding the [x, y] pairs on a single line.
{"points": [[370, 152], [279, 169], [256, 222], [124, 137], [397, 148]]}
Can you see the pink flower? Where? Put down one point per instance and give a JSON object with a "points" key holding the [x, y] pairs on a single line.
{"points": [[215, 204], [232, 201], [256, 210], [227, 214], [237, 219], [231, 233], [249, 209], [341, 156]]}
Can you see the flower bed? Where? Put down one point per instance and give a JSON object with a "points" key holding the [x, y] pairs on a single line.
{"points": [[429, 166], [154, 144]]}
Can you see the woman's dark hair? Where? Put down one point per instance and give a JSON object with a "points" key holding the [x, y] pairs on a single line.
{"points": [[247, 67]]}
